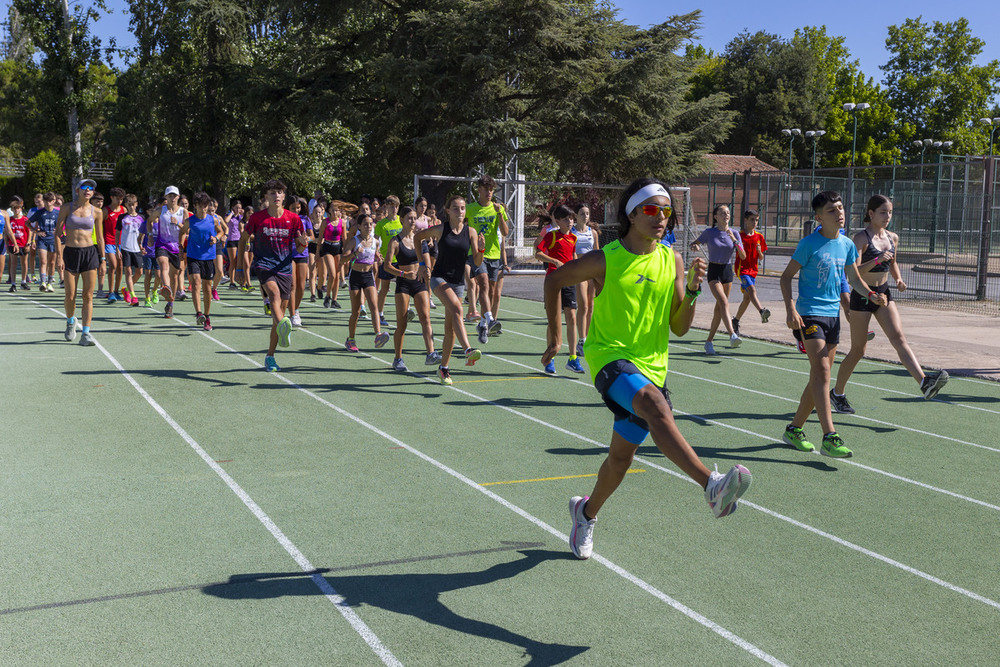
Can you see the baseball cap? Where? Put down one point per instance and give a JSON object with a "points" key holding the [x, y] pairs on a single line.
{"points": [[171, 190], [87, 181]]}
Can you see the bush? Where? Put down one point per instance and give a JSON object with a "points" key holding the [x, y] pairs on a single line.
{"points": [[44, 173]]}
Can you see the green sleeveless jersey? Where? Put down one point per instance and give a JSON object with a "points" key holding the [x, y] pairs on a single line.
{"points": [[486, 221], [631, 319]]}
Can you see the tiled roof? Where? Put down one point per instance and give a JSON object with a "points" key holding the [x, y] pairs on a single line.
{"points": [[736, 163]]}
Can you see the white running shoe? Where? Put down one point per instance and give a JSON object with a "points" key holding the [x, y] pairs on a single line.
{"points": [[296, 320], [86, 339], [581, 537], [70, 331], [723, 491], [432, 358], [709, 348], [735, 340], [411, 315]]}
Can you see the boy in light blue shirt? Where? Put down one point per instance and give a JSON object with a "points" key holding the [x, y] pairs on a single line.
{"points": [[824, 258]]}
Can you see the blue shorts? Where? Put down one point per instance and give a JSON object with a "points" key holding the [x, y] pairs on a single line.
{"points": [[148, 263], [48, 244], [110, 249], [618, 383], [747, 281]]}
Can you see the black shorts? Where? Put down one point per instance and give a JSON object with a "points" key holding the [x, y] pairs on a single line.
{"points": [[823, 328], [567, 296], [722, 273], [232, 244], [330, 248], [384, 275], [607, 376], [300, 260], [81, 260], [173, 257], [282, 280], [131, 260], [411, 286], [201, 267], [861, 303], [360, 280], [311, 247]]}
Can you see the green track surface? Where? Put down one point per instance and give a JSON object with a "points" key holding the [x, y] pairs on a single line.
{"points": [[121, 544]]}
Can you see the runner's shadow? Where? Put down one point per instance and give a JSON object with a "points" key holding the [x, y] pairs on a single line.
{"points": [[175, 373], [516, 403], [724, 416], [741, 454], [417, 595]]}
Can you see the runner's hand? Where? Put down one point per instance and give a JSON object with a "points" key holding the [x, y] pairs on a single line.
{"points": [[697, 273], [794, 321], [551, 350], [900, 285]]}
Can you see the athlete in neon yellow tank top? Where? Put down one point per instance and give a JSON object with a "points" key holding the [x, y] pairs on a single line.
{"points": [[631, 309], [642, 296]]}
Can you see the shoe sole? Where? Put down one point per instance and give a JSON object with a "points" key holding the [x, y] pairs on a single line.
{"points": [[733, 492], [575, 502], [735, 343], [825, 452], [473, 358], [496, 329], [284, 333], [380, 341], [788, 441], [937, 385]]}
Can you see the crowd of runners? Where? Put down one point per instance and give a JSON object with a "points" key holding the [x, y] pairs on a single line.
{"points": [[618, 303]]}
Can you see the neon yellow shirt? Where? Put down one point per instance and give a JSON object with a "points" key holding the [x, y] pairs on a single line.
{"points": [[386, 229], [486, 222], [631, 319]]}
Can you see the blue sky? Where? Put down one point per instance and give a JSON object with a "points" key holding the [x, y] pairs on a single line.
{"points": [[864, 23]]}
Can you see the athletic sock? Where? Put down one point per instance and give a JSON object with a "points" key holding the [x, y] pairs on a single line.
{"points": [[45, 278], [572, 357], [86, 330], [838, 395], [70, 320]]}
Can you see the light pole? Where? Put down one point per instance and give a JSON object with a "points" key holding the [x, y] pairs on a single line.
{"points": [[814, 135], [853, 109], [994, 124], [791, 134]]}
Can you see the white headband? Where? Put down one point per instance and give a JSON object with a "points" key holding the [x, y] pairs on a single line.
{"points": [[651, 190]]}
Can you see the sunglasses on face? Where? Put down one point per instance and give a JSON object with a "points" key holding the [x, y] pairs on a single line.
{"points": [[652, 209], [87, 187]]}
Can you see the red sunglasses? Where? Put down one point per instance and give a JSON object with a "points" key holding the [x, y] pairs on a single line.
{"points": [[652, 209]]}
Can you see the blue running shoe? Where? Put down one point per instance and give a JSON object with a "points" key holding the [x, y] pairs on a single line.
{"points": [[574, 365], [550, 368]]}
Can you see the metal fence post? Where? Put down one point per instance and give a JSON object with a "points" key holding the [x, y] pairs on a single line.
{"points": [[986, 230]]}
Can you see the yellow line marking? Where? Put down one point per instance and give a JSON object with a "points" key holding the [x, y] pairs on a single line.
{"points": [[500, 380], [550, 479]]}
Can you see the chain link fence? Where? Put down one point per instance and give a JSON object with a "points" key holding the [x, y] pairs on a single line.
{"points": [[949, 250]]}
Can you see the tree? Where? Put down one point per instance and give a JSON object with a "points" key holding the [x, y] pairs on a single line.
{"points": [[773, 84], [45, 172], [68, 50], [880, 134], [934, 84], [444, 86]]}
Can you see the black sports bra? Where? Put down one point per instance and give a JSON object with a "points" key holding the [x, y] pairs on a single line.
{"points": [[404, 256], [871, 252]]}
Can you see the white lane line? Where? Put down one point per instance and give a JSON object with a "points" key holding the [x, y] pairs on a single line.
{"points": [[338, 600], [856, 416], [649, 588], [770, 439], [845, 543], [873, 362], [737, 358]]}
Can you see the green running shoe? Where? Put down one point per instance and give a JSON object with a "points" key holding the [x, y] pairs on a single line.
{"points": [[796, 437], [833, 446]]}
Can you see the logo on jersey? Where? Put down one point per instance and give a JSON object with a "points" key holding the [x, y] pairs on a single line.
{"points": [[642, 278]]}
